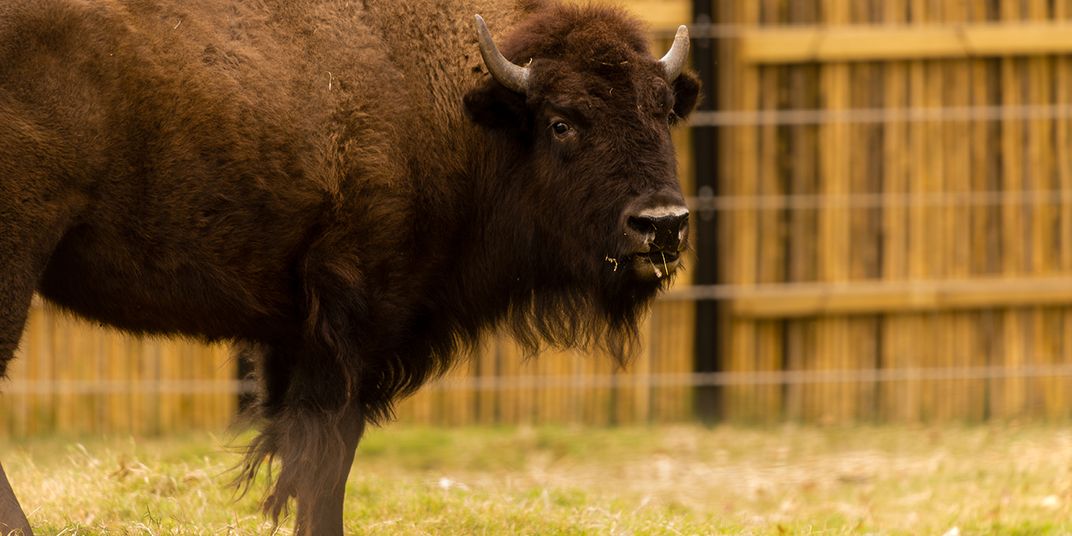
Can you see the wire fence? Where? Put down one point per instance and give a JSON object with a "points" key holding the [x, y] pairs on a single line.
{"points": [[604, 381], [866, 116], [708, 30], [499, 383], [881, 200]]}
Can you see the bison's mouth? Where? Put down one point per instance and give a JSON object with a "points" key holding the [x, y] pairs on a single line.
{"points": [[650, 265]]}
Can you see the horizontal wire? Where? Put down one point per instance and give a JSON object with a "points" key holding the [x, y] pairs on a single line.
{"points": [[90, 387], [701, 30], [829, 289], [500, 383], [746, 118], [873, 200], [774, 377]]}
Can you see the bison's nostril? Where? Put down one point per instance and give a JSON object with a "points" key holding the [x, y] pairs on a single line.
{"points": [[642, 224], [661, 230]]}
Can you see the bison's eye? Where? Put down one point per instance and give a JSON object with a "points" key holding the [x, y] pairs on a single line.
{"points": [[561, 129]]}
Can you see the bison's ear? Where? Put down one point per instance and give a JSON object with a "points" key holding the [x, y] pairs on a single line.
{"points": [[493, 106], [686, 93]]}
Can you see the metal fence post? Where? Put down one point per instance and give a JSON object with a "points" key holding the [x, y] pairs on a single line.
{"points": [[704, 154]]}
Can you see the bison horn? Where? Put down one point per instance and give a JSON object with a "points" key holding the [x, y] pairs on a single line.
{"points": [[514, 77], [674, 61]]}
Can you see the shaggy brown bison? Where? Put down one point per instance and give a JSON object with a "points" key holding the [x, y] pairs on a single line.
{"points": [[354, 192]]}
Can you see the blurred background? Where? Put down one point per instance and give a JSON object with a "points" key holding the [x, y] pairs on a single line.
{"points": [[882, 233]]}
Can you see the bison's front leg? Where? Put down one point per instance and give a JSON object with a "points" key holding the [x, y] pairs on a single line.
{"points": [[320, 505], [315, 450], [312, 408], [312, 431]]}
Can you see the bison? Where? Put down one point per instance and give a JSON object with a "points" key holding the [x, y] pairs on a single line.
{"points": [[353, 193]]}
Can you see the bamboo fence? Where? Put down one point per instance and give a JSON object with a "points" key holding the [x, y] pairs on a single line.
{"points": [[73, 377], [958, 69]]}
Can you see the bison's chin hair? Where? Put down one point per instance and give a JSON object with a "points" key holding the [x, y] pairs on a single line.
{"points": [[604, 317]]}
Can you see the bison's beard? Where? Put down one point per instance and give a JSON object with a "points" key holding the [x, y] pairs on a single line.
{"points": [[601, 312]]}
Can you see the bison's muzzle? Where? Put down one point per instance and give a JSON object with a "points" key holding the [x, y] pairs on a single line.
{"points": [[655, 237]]}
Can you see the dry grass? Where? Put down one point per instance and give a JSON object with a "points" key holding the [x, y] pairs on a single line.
{"points": [[662, 480]]}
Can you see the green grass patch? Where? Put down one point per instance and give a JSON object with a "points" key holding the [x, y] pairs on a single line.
{"points": [[999, 479]]}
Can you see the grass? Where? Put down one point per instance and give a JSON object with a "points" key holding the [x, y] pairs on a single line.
{"points": [[1001, 479]]}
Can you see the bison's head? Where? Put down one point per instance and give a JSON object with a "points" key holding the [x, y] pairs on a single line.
{"points": [[589, 110]]}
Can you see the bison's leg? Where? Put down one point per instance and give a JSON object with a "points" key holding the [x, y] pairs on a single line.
{"points": [[315, 450], [16, 291], [311, 432], [12, 520], [320, 506], [37, 205], [25, 245]]}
